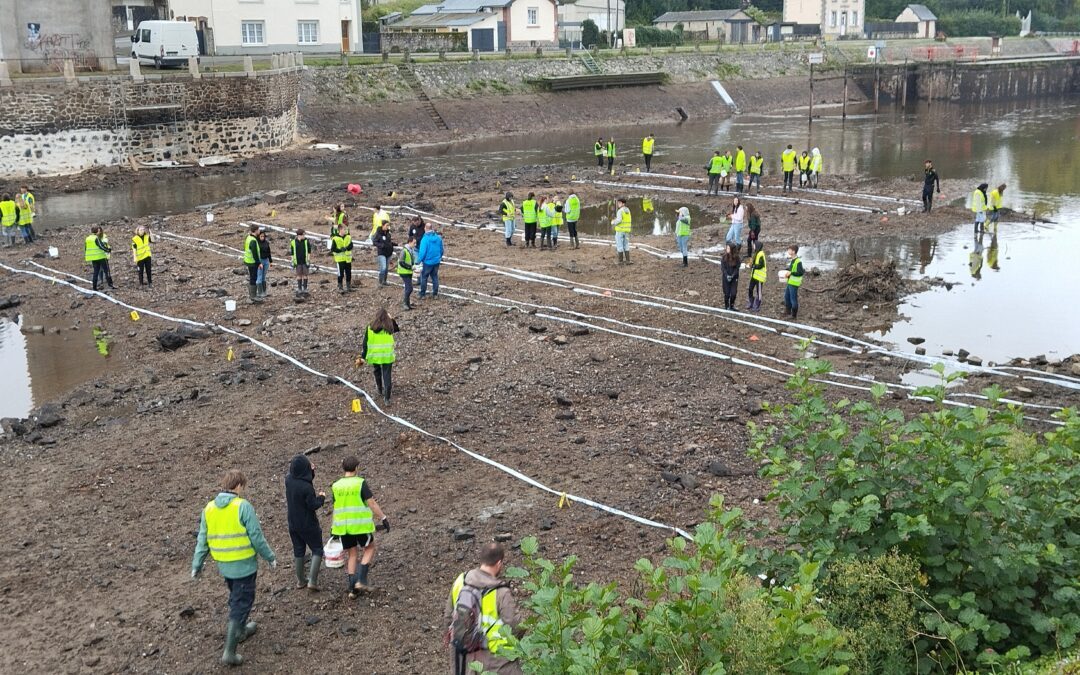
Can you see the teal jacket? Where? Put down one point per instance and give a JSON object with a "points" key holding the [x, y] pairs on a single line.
{"points": [[240, 568]]}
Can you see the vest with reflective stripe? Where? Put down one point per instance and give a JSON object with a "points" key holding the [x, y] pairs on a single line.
{"points": [[740, 160], [351, 515], [93, 251], [26, 209], [141, 246], [306, 246], [804, 162], [249, 257], [490, 622], [405, 261], [528, 211], [342, 242], [544, 216], [682, 227], [624, 224], [715, 164], [978, 201], [8, 216], [755, 164], [647, 145], [760, 275], [573, 209], [508, 209], [556, 215], [225, 534], [788, 159], [725, 163], [380, 347], [794, 280]]}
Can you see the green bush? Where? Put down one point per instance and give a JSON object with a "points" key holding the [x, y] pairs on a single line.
{"points": [[649, 36], [975, 22], [987, 508], [590, 34], [699, 611]]}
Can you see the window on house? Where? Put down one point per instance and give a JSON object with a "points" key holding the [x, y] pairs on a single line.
{"points": [[534, 16], [832, 18], [252, 32], [854, 18], [307, 32]]}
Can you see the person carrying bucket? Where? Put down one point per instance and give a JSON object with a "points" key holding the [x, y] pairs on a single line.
{"points": [[355, 510]]}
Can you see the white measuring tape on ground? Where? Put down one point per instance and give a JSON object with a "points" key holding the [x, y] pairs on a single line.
{"points": [[822, 191], [766, 198], [371, 402]]}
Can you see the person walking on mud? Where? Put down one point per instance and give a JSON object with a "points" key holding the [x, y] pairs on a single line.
{"points": [[682, 234], [756, 163], [930, 181], [300, 248], [758, 274], [993, 205], [341, 246], [787, 161], [230, 532], [647, 144], [623, 224], [97, 253], [430, 256], [716, 165], [406, 260], [572, 212], [729, 270], [264, 264], [355, 511], [384, 250], [509, 217], [479, 595], [377, 350], [141, 256], [978, 207], [529, 214], [794, 276], [611, 156], [303, 505]]}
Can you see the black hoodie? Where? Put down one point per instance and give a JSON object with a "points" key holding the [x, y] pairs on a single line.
{"points": [[300, 496]]}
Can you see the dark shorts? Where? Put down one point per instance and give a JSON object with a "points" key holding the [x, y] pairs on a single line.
{"points": [[356, 540], [302, 270]]}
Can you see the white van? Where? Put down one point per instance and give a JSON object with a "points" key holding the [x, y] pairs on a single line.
{"points": [[164, 43]]}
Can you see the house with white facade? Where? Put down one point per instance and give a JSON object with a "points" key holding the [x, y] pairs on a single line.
{"points": [[608, 15], [923, 17], [484, 25], [836, 18], [273, 26]]}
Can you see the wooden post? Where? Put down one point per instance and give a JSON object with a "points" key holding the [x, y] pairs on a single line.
{"points": [[810, 115], [877, 87], [843, 114]]}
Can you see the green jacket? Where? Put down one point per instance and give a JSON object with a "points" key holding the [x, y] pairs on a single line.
{"points": [[240, 568]]}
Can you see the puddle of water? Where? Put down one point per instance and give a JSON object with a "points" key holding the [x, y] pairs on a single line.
{"points": [[1012, 293], [39, 367], [650, 217]]}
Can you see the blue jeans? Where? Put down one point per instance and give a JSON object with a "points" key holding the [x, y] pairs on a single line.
{"points": [[684, 244], [406, 282], [264, 267], [431, 271], [754, 178], [738, 180], [622, 242], [241, 597], [555, 234], [508, 227], [734, 234], [791, 297]]}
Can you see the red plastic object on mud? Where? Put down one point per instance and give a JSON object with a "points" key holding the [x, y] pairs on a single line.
{"points": [[354, 188]]}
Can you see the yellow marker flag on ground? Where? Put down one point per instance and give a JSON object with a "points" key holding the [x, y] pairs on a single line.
{"points": [[134, 315], [356, 405], [564, 501], [229, 355]]}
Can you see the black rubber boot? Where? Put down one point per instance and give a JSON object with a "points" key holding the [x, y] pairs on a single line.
{"points": [[253, 294], [684, 262], [626, 256], [362, 580]]}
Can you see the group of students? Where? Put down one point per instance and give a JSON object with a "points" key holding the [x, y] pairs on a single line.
{"points": [[983, 202], [98, 252], [479, 602], [543, 213], [17, 213]]}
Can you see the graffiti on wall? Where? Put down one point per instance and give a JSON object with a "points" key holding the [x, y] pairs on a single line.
{"points": [[52, 49]]}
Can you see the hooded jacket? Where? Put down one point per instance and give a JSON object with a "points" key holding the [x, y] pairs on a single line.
{"points": [[300, 497], [508, 614], [240, 568]]}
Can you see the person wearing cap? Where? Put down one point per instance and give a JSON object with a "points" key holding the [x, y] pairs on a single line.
{"points": [[300, 247], [509, 213], [230, 533]]}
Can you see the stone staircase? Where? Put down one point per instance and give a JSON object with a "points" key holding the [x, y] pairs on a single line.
{"points": [[410, 78]]}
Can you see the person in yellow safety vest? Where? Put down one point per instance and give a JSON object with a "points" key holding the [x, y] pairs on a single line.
{"points": [[97, 254], [756, 162], [647, 150], [338, 218], [794, 277], [377, 349], [509, 217], [341, 245], [804, 169], [377, 219], [758, 274], [716, 165], [623, 224], [141, 256], [816, 165], [978, 206], [611, 155], [406, 261], [529, 216], [556, 220], [787, 162], [27, 207], [497, 608], [572, 212], [355, 511], [9, 217], [682, 234], [725, 170], [994, 205], [740, 167], [545, 211], [600, 152], [230, 532], [252, 260], [300, 248]]}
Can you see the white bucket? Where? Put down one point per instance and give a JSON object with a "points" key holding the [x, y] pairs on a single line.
{"points": [[230, 305], [209, 217], [333, 553], [54, 252]]}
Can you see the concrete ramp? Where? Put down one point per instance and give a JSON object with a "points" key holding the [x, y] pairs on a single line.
{"points": [[724, 95]]}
